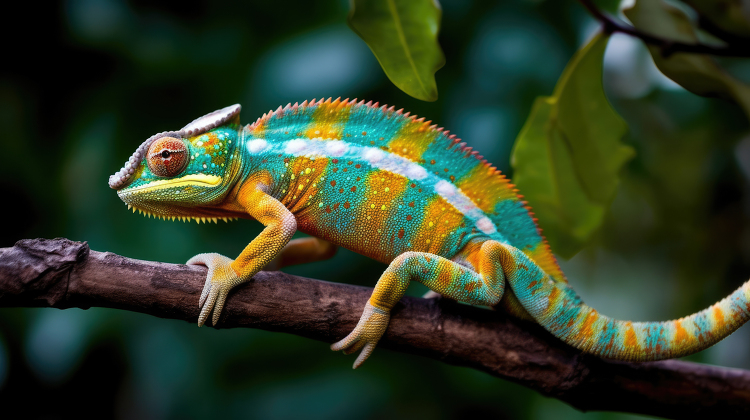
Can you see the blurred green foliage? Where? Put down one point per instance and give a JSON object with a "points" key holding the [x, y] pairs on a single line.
{"points": [[99, 76]]}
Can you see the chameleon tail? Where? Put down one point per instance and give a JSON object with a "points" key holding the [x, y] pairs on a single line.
{"points": [[559, 310]]}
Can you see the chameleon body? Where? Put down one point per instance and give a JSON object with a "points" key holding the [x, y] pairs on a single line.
{"points": [[394, 188]]}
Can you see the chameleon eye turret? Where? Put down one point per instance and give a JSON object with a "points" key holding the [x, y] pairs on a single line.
{"points": [[202, 125], [167, 156]]}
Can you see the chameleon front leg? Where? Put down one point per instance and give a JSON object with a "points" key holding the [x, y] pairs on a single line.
{"points": [[225, 273], [302, 251], [485, 286]]}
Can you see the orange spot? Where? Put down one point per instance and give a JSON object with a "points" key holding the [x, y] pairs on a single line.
{"points": [[333, 183], [347, 205], [411, 204], [408, 217], [354, 188], [586, 330], [718, 318], [401, 234], [554, 294], [631, 340], [680, 334], [358, 166]]}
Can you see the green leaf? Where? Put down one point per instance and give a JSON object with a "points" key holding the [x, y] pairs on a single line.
{"points": [[403, 36], [697, 73], [567, 157]]}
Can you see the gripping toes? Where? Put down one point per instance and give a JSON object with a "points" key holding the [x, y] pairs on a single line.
{"points": [[220, 280], [366, 334]]}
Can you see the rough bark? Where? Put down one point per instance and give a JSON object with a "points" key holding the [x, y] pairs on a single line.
{"points": [[61, 273]]}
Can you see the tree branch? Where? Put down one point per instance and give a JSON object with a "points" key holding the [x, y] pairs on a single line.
{"points": [[62, 274], [667, 46]]}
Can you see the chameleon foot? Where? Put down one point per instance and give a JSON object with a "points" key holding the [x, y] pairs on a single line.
{"points": [[220, 280], [365, 335]]}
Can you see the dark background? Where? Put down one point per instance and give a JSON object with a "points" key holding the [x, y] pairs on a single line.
{"points": [[84, 82]]}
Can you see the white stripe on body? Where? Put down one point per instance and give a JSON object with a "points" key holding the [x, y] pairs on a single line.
{"points": [[379, 159]]}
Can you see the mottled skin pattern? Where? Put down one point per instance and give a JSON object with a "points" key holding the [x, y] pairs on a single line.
{"points": [[394, 188]]}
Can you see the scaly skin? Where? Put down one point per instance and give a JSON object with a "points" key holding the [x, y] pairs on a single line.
{"points": [[396, 189]]}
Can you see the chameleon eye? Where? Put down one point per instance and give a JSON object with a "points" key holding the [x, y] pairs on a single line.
{"points": [[167, 156]]}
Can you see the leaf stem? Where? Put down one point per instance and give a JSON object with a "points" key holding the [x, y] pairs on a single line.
{"points": [[667, 46]]}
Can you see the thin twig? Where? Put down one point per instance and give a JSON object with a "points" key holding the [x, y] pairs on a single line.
{"points": [[667, 46], [61, 273]]}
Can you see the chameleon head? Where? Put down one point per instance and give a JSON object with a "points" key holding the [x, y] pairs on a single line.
{"points": [[178, 173]]}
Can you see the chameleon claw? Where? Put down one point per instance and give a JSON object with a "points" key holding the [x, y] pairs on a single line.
{"points": [[365, 335], [220, 279]]}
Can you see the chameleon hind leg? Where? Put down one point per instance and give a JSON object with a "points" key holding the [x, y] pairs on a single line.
{"points": [[302, 251], [484, 286], [225, 273]]}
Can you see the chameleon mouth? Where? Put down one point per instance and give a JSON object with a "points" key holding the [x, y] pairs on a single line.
{"points": [[197, 219], [136, 198]]}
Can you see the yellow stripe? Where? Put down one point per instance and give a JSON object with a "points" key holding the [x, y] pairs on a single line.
{"points": [[440, 220], [381, 196], [200, 180], [303, 176], [329, 120], [412, 140], [486, 189]]}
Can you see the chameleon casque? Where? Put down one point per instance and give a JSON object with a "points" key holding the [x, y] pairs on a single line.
{"points": [[394, 188]]}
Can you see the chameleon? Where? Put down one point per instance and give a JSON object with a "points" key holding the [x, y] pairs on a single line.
{"points": [[396, 188]]}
